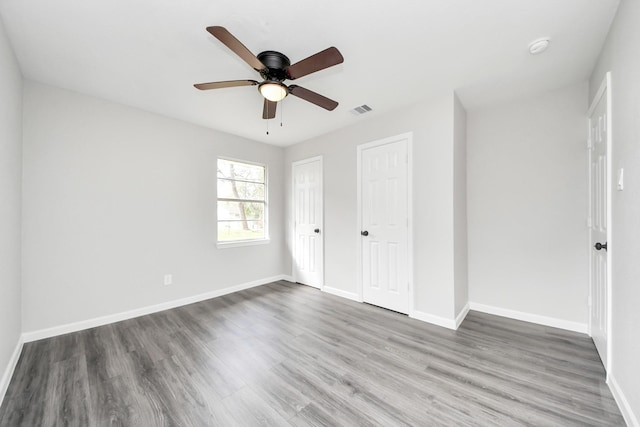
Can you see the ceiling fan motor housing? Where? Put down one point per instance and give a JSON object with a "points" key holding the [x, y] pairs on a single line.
{"points": [[276, 64]]}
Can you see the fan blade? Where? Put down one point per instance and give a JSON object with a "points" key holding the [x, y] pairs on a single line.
{"points": [[220, 85], [312, 97], [321, 60], [269, 109], [238, 48]]}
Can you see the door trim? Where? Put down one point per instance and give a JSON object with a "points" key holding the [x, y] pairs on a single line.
{"points": [[604, 86], [293, 216], [359, 149]]}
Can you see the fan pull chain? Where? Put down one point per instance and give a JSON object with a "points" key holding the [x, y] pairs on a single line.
{"points": [[281, 112], [267, 119]]}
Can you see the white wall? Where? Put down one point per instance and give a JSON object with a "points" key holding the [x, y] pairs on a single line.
{"points": [[620, 56], [432, 127], [10, 203], [527, 205], [115, 197], [461, 262]]}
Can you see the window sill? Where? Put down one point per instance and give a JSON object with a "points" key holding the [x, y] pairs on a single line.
{"points": [[239, 243]]}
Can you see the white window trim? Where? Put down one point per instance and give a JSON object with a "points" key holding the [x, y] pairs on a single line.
{"points": [[238, 243], [247, 242]]}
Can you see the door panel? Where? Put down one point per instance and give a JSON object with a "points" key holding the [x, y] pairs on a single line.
{"points": [[598, 186], [307, 184], [384, 216]]}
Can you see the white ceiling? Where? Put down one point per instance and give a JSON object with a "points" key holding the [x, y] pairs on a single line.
{"points": [[149, 53]]}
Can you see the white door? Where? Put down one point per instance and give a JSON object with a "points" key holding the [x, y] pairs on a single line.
{"points": [[384, 221], [598, 194], [307, 201]]}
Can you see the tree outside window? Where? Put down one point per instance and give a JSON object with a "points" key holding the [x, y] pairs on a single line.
{"points": [[241, 201]]}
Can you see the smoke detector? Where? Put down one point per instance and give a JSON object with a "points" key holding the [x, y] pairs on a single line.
{"points": [[539, 45]]}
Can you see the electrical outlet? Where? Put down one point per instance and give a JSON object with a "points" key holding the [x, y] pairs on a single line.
{"points": [[168, 279]]}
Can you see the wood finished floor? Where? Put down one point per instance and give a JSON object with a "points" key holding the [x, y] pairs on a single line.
{"points": [[284, 354]]}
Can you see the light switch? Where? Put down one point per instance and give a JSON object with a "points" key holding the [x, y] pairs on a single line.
{"points": [[620, 179]]}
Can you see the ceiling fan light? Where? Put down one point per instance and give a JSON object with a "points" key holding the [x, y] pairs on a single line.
{"points": [[273, 91]]}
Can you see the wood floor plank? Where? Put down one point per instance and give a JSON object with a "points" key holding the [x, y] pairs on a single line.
{"points": [[286, 354], [110, 403], [283, 397], [71, 381], [248, 409]]}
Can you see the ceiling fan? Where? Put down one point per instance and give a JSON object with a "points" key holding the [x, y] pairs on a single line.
{"points": [[274, 68]]}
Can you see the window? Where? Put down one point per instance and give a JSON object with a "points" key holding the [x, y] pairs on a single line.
{"points": [[241, 201]]}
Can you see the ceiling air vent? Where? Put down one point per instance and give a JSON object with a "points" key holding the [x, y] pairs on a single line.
{"points": [[364, 108]]}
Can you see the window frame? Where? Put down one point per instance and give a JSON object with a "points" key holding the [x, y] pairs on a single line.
{"points": [[244, 242]]}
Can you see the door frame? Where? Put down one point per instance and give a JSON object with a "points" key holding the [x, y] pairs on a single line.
{"points": [[359, 149], [321, 218], [604, 86]]}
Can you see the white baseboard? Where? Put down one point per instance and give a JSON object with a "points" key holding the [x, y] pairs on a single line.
{"points": [[116, 317], [625, 407], [287, 278], [344, 294], [433, 319], [532, 318], [8, 372], [461, 316]]}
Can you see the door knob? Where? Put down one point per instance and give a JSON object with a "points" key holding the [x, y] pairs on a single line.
{"points": [[317, 230], [600, 246], [364, 233]]}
